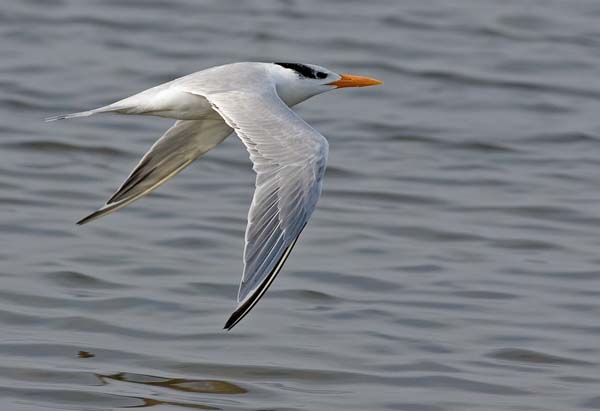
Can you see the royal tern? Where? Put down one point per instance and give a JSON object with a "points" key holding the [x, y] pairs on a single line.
{"points": [[288, 155]]}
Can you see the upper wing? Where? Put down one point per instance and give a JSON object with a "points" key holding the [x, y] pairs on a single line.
{"points": [[184, 142], [289, 159]]}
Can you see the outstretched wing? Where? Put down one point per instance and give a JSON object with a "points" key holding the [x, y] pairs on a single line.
{"points": [[289, 159], [184, 142]]}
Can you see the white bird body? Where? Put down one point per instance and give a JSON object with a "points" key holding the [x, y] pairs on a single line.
{"points": [[175, 99], [288, 155]]}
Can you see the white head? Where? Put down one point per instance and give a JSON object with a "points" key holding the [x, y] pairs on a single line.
{"points": [[297, 82]]}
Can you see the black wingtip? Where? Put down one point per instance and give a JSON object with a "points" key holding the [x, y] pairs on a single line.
{"points": [[107, 209], [90, 217], [251, 301], [230, 323], [236, 317]]}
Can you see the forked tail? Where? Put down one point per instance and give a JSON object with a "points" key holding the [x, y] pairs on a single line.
{"points": [[105, 109], [72, 115]]}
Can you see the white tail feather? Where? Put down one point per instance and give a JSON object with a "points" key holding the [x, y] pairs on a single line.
{"points": [[105, 109], [72, 115]]}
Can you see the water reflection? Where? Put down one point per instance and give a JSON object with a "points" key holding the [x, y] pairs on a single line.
{"points": [[152, 402], [179, 384]]}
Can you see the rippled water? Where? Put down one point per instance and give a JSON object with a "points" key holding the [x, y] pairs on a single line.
{"points": [[452, 263]]}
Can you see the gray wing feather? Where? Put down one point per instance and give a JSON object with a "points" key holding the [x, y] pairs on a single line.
{"points": [[289, 158], [181, 144]]}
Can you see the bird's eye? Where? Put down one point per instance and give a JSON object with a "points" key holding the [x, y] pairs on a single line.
{"points": [[320, 74]]}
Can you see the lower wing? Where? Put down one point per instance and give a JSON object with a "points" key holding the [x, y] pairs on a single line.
{"points": [[184, 142]]}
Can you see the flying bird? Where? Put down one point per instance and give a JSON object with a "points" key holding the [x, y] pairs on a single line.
{"points": [[288, 155]]}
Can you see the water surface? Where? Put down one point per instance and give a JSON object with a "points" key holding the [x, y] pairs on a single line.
{"points": [[452, 263]]}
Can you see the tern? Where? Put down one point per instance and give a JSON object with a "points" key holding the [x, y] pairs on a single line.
{"points": [[289, 156]]}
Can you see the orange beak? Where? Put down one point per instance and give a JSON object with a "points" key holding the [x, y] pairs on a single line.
{"points": [[354, 81]]}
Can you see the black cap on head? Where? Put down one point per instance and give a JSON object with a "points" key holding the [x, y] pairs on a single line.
{"points": [[303, 70]]}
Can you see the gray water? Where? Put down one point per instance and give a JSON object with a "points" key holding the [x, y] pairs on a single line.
{"points": [[452, 262]]}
